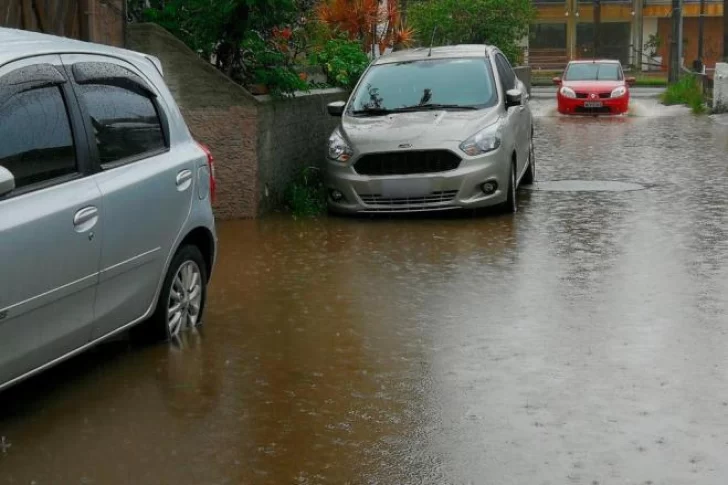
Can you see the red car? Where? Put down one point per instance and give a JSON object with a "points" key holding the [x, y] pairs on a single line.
{"points": [[593, 87]]}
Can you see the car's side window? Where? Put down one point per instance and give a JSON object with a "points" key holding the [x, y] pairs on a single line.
{"points": [[37, 141], [125, 123], [508, 77]]}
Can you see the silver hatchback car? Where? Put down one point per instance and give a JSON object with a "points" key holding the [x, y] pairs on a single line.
{"points": [[432, 129], [105, 202]]}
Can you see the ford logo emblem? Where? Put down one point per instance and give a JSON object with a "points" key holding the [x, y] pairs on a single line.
{"points": [[405, 145]]}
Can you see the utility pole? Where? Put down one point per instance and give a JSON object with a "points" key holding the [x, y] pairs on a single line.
{"points": [[725, 30], [597, 22], [680, 44], [639, 31], [701, 34], [674, 73]]}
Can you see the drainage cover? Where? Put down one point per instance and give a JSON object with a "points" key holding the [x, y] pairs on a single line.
{"points": [[583, 186]]}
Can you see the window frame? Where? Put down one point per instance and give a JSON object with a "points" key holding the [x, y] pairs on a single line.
{"points": [[90, 72], [500, 60], [41, 75]]}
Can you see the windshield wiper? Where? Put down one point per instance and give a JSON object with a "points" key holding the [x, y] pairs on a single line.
{"points": [[372, 112], [409, 109], [429, 106]]}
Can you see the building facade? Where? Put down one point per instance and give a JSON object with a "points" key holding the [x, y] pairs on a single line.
{"points": [[101, 21], [637, 32]]}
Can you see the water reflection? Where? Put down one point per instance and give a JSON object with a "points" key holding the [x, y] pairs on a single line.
{"points": [[581, 340]]}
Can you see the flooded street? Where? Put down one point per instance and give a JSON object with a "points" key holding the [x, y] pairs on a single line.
{"points": [[582, 341]]}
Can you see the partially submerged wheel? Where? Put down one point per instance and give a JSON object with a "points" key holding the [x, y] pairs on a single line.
{"points": [[530, 176], [510, 206], [182, 299]]}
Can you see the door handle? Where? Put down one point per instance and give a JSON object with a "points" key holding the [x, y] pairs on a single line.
{"points": [[184, 180], [85, 219]]}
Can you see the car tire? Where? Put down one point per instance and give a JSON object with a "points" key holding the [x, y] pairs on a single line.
{"points": [[510, 206], [530, 176], [181, 302]]}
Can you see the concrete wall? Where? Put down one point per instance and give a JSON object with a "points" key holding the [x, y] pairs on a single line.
{"points": [[720, 88], [291, 135], [258, 143], [524, 74]]}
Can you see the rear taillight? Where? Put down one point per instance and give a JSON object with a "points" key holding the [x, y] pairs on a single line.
{"points": [[211, 167]]}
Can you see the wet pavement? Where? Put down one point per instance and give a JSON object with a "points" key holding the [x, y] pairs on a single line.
{"points": [[582, 341]]}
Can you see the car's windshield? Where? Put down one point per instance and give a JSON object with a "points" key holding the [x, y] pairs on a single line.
{"points": [[605, 71], [439, 82]]}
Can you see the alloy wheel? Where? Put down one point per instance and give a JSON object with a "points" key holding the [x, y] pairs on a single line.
{"points": [[185, 298]]}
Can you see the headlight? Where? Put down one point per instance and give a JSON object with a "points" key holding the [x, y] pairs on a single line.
{"points": [[620, 91], [568, 92], [338, 149], [484, 141]]}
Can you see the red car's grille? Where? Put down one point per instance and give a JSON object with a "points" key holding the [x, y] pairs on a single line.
{"points": [[601, 95]]}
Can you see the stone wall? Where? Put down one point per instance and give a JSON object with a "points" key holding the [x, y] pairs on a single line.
{"points": [[291, 135], [258, 143]]}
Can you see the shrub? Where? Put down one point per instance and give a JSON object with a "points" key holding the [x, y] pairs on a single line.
{"points": [[687, 91], [306, 195], [342, 60]]}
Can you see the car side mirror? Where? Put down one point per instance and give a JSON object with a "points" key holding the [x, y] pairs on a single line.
{"points": [[7, 181], [514, 97], [336, 108], [631, 81], [557, 81]]}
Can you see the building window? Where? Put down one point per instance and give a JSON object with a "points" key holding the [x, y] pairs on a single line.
{"points": [[547, 36]]}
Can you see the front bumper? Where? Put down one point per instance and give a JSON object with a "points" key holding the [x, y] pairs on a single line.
{"points": [[454, 189], [609, 106]]}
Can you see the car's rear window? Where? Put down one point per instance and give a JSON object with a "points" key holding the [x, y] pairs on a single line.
{"points": [[463, 82], [593, 72]]}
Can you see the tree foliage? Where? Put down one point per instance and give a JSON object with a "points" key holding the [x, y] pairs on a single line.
{"points": [[264, 42], [502, 23], [218, 27]]}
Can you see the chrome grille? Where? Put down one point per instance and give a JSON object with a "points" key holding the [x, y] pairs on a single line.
{"points": [[433, 198]]}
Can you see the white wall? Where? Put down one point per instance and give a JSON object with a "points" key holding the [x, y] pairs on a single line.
{"points": [[720, 88]]}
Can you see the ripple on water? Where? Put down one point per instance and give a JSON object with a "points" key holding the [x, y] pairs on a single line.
{"points": [[583, 186]]}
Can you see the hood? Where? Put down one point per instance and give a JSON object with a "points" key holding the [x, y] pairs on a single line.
{"points": [[420, 129], [597, 86]]}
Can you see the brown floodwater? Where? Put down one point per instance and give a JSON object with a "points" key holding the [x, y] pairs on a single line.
{"points": [[582, 341]]}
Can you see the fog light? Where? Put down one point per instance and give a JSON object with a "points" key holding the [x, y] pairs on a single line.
{"points": [[336, 196], [490, 187]]}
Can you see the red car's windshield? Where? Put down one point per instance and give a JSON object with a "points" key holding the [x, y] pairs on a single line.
{"points": [[593, 72]]}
